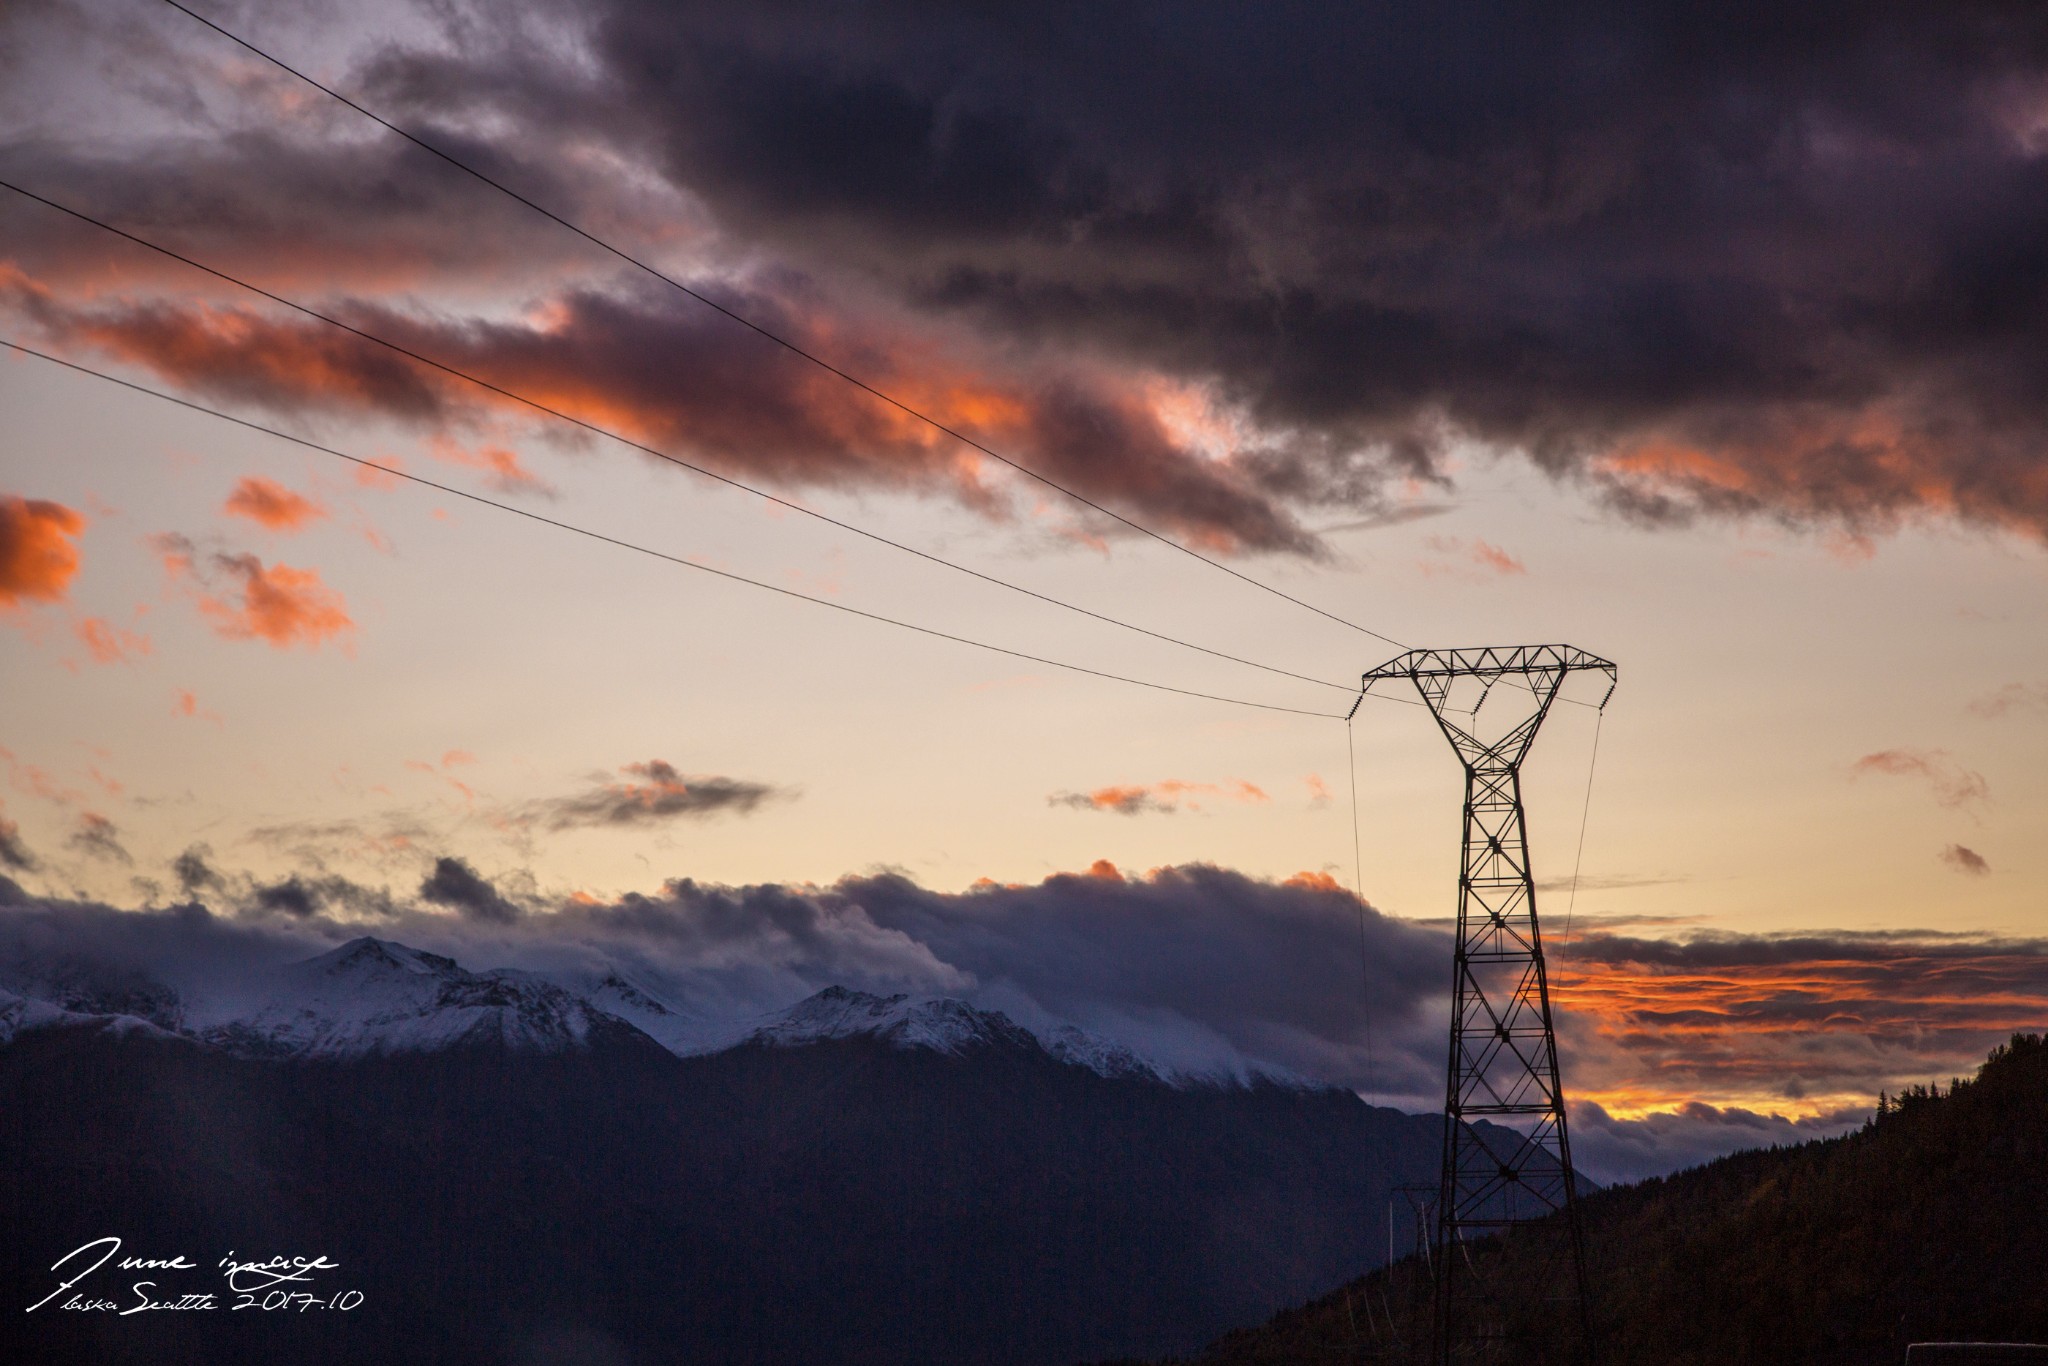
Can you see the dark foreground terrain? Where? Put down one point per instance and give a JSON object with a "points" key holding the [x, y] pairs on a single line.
{"points": [[845, 1202], [1931, 1223]]}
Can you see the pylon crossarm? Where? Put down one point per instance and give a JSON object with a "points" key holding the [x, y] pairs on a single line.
{"points": [[1491, 662]]}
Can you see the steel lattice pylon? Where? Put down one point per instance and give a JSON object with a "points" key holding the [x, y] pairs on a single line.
{"points": [[1507, 1152]]}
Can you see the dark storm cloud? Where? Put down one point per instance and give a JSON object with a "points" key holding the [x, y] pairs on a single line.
{"points": [[1197, 966], [13, 853], [284, 210], [290, 897], [194, 872], [185, 946], [650, 794], [226, 159], [1741, 261], [303, 896], [1197, 957], [1744, 260], [456, 885]]}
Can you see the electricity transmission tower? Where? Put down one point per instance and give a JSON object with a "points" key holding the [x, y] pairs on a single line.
{"points": [[1507, 1154]]}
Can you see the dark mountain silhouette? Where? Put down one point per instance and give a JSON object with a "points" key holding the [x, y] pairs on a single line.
{"points": [[524, 1177], [1929, 1224]]}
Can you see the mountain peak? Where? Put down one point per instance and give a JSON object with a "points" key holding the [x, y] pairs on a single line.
{"points": [[373, 996], [939, 1023], [367, 953]]}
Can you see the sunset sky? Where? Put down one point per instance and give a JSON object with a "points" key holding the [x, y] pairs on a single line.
{"points": [[1721, 352]]}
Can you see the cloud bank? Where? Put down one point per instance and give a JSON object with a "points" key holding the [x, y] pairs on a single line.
{"points": [[1674, 1049], [1215, 266]]}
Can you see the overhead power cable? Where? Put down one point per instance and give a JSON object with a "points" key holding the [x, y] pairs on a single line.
{"points": [[1358, 887], [1579, 859], [648, 550], [772, 336], [611, 434]]}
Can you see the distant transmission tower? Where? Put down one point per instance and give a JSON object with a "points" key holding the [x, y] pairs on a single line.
{"points": [[1507, 1155]]}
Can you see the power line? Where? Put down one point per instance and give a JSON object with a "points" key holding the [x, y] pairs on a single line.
{"points": [[772, 336], [1578, 859], [1364, 950], [657, 453], [646, 550]]}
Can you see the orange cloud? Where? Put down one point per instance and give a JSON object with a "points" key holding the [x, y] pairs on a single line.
{"points": [[37, 556], [272, 505], [1166, 796], [108, 643], [1316, 882], [1484, 555], [37, 781], [279, 604], [382, 475], [507, 474], [1493, 557], [1798, 1024], [448, 760], [185, 703], [1871, 469], [673, 380]]}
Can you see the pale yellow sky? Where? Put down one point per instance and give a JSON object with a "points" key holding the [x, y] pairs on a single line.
{"points": [[1757, 666]]}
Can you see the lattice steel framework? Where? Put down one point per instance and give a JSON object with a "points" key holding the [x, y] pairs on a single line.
{"points": [[1507, 1152]]}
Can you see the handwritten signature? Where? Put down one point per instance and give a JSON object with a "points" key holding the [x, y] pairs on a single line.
{"points": [[262, 1283]]}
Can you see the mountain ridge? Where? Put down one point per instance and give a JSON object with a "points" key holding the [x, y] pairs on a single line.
{"points": [[371, 996]]}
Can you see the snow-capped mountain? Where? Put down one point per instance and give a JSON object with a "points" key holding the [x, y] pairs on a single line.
{"points": [[943, 1024], [371, 996], [940, 1024]]}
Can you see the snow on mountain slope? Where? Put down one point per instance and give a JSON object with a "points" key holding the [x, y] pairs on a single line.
{"points": [[941, 1024], [1104, 1057], [945, 1025], [372, 997], [681, 1032], [21, 1014]]}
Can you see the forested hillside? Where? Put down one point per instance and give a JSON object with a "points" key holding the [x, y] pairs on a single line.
{"points": [[1931, 1222]]}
